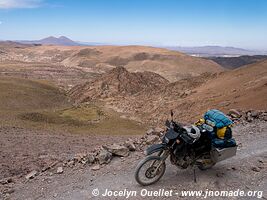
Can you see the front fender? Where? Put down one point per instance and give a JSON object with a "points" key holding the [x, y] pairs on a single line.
{"points": [[155, 148]]}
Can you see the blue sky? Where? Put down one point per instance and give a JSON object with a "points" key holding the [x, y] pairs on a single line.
{"points": [[240, 23]]}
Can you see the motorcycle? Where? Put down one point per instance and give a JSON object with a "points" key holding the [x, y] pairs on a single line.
{"points": [[184, 149]]}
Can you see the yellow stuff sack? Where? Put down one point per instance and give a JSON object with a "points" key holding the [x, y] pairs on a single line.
{"points": [[221, 132], [200, 122]]}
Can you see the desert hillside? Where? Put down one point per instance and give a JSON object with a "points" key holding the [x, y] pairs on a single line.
{"points": [[243, 88], [239, 61], [142, 82], [117, 82], [59, 101], [71, 65], [22, 94]]}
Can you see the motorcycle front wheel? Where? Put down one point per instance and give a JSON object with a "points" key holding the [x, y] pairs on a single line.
{"points": [[150, 170]]}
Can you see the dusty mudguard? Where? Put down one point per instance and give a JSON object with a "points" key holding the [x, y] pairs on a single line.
{"points": [[155, 148]]}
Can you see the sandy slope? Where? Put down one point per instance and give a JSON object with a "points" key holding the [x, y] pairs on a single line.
{"points": [[81, 61], [243, 88]]}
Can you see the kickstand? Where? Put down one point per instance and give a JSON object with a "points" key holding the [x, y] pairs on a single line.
{"points": [[195, 178]]}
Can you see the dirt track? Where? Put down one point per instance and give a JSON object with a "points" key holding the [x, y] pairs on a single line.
{"points": [[235, 173]]}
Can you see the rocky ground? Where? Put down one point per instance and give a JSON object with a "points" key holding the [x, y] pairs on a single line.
{"points": [[68, 175], [25, 152]]}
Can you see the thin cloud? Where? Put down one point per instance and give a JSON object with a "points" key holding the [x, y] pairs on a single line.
{"points": [[1, 22], [9, 4]]}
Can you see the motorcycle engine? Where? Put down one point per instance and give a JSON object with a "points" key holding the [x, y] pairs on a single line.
{"points": [[181, 157], [182, 162]]}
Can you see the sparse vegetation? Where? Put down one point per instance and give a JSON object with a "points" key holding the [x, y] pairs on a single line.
{"points": [[19, 94], [39, 104], [85, 118]]}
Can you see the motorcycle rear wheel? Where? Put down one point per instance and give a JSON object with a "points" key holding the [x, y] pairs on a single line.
{"points": [[149, 165]]}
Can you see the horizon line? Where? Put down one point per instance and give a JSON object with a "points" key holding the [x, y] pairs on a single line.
{"points": [[137, 43]]}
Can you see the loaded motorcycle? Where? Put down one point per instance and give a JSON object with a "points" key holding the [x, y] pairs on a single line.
{"points": [[186, 146]]}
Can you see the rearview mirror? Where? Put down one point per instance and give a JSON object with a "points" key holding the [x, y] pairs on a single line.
{"points": [[172, 114]]}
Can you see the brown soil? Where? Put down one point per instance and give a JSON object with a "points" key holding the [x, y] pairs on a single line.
{"points": [[244, 88], [69, 65]]}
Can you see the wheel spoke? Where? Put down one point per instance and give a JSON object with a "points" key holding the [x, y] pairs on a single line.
{"points": [[150, 170]]}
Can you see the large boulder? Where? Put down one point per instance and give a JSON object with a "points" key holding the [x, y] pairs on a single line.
{"points": [[104, 157], [96, 167], [31, 175], [151, 139], [249, 118], [6, 181], [117, 150], [155, 131], [60, 170], [263, 116], [150, 131], [84, 158], [130, 145], [91, 158], [79, 157], [234, 113], [158, 131], [255, 113]]}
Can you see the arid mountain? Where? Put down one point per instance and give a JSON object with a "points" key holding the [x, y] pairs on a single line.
{"points": [[11, 44], [117, 82], [86, 63], [208, 51], [235, 62], [162, 79], [62, 40], [244, 88]]}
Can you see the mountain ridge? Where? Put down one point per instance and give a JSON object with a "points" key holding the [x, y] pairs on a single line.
{"points": [[52, 40], [201, 51], [236, 62], [117, 81], [210, 50]]}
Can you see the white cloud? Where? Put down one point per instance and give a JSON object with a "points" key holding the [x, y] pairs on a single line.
{"points": [[8, 4]]}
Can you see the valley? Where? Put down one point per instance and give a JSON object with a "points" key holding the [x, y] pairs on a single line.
{"points": [[57, 102]]}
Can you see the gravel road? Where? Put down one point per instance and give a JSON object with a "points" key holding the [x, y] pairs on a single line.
{"points": [[246, 171]]}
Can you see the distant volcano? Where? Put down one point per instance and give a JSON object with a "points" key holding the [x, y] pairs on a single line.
{"points": [[62, 41]]}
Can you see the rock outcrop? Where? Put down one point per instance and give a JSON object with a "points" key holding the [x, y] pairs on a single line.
{"points": [[117, 82]]}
